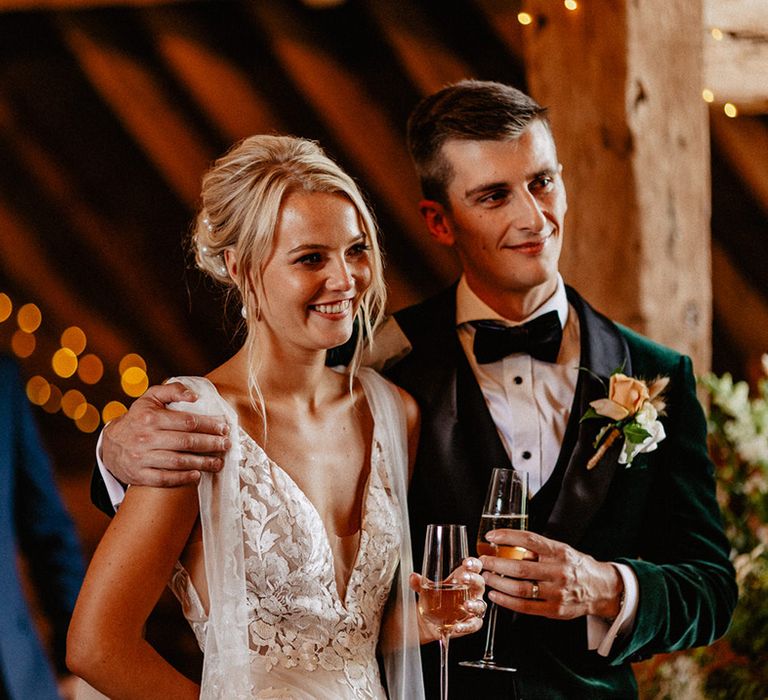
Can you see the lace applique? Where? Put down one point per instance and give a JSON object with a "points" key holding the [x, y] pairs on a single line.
{"points": [[296, 619]]}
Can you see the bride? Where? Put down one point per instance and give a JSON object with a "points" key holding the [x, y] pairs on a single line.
{"points": [[292, 564]]}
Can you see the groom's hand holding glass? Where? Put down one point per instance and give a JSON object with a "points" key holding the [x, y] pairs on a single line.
{"points": [[552, 579]]}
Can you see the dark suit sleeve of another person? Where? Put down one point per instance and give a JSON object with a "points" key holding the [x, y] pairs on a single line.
{"points": [[45, 531], [686, 580]]}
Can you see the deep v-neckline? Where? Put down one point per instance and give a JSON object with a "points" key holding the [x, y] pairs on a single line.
{"points": [[364, 509], [313, 508]]}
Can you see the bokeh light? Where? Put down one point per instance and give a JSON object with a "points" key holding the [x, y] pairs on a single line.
{"points": [[29, 318], [730, 110], [717, 34], [708, 95], [113, 410], [6, 307], [74, 339], [89, 420], [570, 4], [90, 369], [524, 18], [64, 362], [134, 381], [53, 404], [38, 390], [73, 404], [132, 360], [23, 344]]}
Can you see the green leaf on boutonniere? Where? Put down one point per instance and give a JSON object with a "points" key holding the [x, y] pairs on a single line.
{"points": [[590, 413], [635, 433]]}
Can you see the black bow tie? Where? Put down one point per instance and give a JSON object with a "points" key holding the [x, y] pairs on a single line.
{"points": [[540, 338]]}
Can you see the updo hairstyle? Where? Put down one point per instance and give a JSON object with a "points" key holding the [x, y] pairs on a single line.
{"points": [[241, 198]]}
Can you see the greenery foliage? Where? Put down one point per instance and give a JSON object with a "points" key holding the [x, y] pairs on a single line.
{"points": [[735, 667]]}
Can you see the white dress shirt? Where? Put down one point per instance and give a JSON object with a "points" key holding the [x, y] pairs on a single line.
{"points": [[528, 399]]}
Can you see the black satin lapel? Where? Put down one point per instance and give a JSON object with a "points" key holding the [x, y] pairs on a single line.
{"points": [[582, 491], [478, 427]]}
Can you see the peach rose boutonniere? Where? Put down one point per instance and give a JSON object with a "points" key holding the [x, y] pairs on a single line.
{"points": [[633, 408]]}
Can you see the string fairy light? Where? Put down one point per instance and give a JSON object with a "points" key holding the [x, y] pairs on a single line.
{"points": [[68, 362]]}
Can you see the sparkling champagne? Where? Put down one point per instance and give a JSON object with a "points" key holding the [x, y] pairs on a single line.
{"points": [[496, 522], [443, 605]]}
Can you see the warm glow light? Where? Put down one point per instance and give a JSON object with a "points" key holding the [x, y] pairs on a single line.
{"points": [[132, 360], [524, 18], [6, 307], [730, 109], [570, 4], [64, 362], [38, 390], [112, 410], [90, 369], [23, 344], [73, 404], [89, 421], [134, 381], [53, 403], [708, 95], [74, 339], [29, 318], [717, 35]]}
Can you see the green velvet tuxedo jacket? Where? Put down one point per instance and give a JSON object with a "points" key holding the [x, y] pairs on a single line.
{"points": [[659, 516]]}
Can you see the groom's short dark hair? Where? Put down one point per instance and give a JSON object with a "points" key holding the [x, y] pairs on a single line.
{"points": [[475, 110]]}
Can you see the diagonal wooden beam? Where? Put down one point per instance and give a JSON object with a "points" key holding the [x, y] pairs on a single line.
{"points": [[105, 246], [144, 108], [744, 142], [421, 51], [369, 140], [733, 295], [223, 91], [29, 267]]}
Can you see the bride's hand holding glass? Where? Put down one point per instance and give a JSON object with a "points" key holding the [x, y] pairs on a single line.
{"points": [[469, 574]]}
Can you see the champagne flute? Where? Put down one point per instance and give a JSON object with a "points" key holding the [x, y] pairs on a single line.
{"points": [[506, 506], [442, 599]]}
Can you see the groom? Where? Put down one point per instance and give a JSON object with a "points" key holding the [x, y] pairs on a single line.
{"points": [[623, 562]]}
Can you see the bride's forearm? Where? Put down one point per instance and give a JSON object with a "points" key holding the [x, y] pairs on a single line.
{"points": [[124, 673]]}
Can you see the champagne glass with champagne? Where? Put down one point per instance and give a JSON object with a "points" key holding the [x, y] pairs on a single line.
{"points": [[506, 506], [442, 599]]}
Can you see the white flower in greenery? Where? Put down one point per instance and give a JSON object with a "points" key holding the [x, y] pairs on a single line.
{"points": [[649, 444], [736, 401], [754, 450]]}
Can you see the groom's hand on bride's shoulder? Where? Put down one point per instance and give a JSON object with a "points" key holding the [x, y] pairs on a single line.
{"points": [[152, 445]]}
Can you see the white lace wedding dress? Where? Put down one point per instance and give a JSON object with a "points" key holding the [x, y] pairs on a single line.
{"points": [[277, 627]]}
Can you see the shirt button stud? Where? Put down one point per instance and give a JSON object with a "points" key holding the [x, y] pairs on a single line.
{"points": [[518, 380], [526, 455]]}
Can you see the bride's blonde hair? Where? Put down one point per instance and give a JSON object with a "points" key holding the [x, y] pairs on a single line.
{"points": [[241, 198]]}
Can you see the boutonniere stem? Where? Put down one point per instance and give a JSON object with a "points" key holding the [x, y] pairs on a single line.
{"points": [[612, 435]]}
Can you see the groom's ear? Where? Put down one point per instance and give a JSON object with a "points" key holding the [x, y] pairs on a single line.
{"points": [[438, 221]]}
